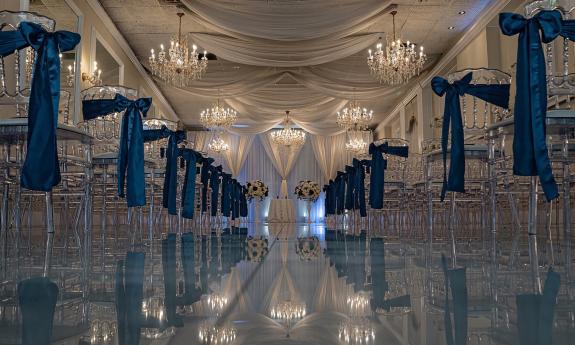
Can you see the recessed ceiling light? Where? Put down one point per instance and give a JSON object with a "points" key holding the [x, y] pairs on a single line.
{"points": [[451, 28], [462, 12]]}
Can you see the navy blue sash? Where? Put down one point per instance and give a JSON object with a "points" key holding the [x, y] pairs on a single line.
{"points": [[494, 94], [378, 166], [41, 170]]}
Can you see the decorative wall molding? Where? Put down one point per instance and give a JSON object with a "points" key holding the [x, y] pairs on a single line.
{"points": [[113, 29]]}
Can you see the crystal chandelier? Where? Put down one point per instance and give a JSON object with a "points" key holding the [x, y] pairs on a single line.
{"points": [[398, 63], [218, 117], [218, 145], [356, 143], [288, 311], [354, 116], [288, 136], [179, 66], [217, 302], [356, 332], [214, 334]]}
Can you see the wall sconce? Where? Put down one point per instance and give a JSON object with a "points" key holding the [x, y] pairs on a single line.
{"points": [[95, 78]]}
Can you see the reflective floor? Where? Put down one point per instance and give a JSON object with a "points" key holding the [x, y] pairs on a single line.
{"points": [[296, 284]]}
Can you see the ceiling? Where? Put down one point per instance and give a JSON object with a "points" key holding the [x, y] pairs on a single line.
{"points": [[282, 32]]}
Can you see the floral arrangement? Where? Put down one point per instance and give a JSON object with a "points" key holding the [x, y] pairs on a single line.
{"points": [[257, 248], [307, 190], [256, 190], [308, 247]]}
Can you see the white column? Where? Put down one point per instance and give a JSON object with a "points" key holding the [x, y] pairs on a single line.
{"points": [[402, 124]]}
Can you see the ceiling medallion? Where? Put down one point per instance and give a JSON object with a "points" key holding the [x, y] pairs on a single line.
{"points": [[288, 136], [399, 62], [178, 67], [354, 117]]}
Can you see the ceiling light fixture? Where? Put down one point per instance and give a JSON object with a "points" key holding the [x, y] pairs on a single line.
{"points": [[178, 66], [288, 136], [398, 62], [462, 13], [451, 28]]}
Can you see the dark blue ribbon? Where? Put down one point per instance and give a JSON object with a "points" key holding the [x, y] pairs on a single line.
{"points": [[37, 298], [494, 94], [41, 170], [171, 170], [457, 281], [378, 166], [131, 153], [226, 194], [530, 156], [215, 181], [243, 202], [340, 192], [191, 158], [349, 187], [359, 185], [129, 297]]}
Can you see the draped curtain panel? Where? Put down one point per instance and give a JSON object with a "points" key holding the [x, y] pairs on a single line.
{"points": [[201, 140], [235, 157], [329, 153], [258, 166], [282, 20], [282, 158]]}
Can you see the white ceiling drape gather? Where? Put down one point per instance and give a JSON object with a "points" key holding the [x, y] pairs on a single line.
{"points": [[287, 20], [283, 159], [283, 54]]}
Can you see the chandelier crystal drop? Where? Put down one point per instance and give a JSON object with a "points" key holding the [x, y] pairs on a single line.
{"points": [[218, 145], [398, 62], [353, 116], [218, 117], [288, 136], [357, 332], [216, 301], [356, 146], [178, 66]]}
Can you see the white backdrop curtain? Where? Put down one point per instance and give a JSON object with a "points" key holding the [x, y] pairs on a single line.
{"points": [[283, 159], [330, 153], [258, 166], [201, 140], [236, 155], [288, 20], [283, 54]]}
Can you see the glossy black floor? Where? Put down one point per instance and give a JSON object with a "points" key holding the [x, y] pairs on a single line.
{"points": [[297, 284]]}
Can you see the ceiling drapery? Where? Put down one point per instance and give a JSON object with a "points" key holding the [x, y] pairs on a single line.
{"points": [[288, 20], [283, 54], [239, 146]]}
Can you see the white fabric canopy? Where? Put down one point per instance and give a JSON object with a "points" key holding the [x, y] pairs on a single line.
{"points": [[201, 140], [330, 153], [288, 20], [282, 54], [239, 145], [282, 159]]}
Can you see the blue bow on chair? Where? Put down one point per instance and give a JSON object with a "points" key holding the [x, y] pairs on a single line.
{"points": [[41, 170], [494, 94], [191, 158], [359, 185], [340, 192], [529, 144], [349, 187], [215, 173], [226, 194], [378, 166], [131, 153]]}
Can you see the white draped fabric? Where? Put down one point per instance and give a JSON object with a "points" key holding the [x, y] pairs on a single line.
{"points": [[201, 140], [239, 147], [286, 20], [283, 54], [282, 158], [330, 153]]}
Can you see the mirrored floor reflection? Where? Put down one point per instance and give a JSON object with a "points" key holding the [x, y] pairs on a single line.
{"points": [[294, 284]]}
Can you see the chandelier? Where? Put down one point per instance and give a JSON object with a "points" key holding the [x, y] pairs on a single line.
{"points": [[356, 143], [288, 136], [178, 66], [217, 302], [354, 116], [218, 117], [214, 334], [358, 304], [356, 332], [398, 63], [288, 311], [218, 145]]}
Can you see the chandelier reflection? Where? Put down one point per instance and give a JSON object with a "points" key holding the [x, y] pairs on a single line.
{"points": [[358, 304], [354, 117], [288, 311], [288, 136], [178, 67], [217, 302], [356, 146], [398, 62], [218, 117], [357, 332], [103, 332], [218, 145], [214, 334]]}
